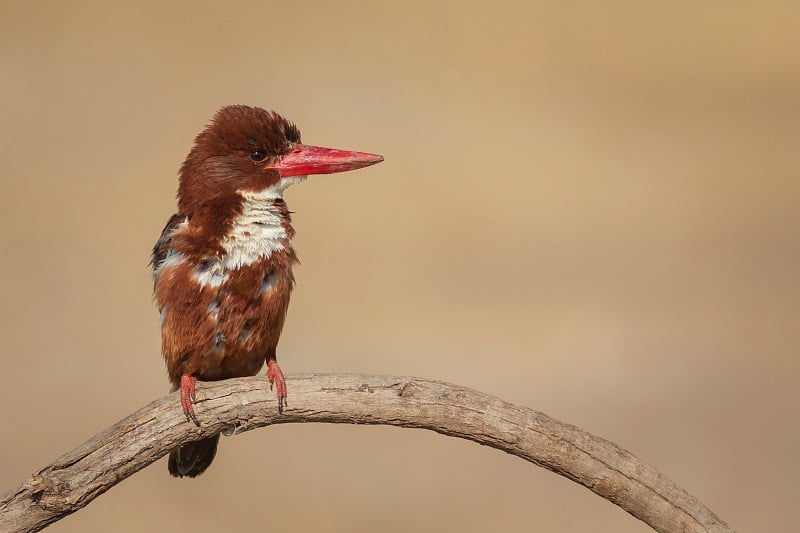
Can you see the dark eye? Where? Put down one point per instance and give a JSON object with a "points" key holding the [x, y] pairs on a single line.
{"points": [[258, 155]]}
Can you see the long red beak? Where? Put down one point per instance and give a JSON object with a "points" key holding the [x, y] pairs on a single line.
{"points": [[305, 160]]}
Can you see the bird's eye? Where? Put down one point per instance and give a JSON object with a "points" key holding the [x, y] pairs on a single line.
{"points": [[258, 155]]}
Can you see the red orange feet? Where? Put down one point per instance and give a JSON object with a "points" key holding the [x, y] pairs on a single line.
{"points": [[187, 397], [275, 376]]}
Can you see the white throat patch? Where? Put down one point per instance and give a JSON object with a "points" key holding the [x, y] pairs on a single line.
{"points": [[258, 231]]}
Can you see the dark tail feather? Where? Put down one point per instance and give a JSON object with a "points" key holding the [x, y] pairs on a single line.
{"points": [[193, 458]]}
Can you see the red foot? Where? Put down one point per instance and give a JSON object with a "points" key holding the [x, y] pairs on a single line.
{"points": [[275, 376], [187, 397]]}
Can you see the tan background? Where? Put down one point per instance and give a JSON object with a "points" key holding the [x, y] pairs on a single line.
{"points": [[592, 211]]}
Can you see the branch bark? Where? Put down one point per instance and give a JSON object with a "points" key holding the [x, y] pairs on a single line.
{"points": [[238, 405]]}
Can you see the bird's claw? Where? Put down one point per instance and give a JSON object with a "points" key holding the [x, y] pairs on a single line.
{"points": [[276, 378], [188, 397]]}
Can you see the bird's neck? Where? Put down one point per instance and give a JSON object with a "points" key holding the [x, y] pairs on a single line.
{"points": [[263, 227], [238, 230]]}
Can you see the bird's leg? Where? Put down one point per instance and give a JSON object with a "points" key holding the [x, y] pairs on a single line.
{"points": [[275, 376], [187, 397]]}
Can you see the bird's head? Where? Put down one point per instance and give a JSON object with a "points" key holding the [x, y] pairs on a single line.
{"points": [[250, 149]]}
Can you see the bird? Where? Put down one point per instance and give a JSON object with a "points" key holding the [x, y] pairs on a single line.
{"points": [[222, 267]]}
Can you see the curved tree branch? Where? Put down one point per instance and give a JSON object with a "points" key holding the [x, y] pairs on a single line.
{"points": [[238, 405]]}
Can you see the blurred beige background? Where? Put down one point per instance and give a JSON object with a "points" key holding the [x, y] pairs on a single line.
{"points": [[592, 211]]}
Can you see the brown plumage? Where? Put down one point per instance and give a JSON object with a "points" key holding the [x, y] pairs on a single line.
{"points": [[223, 264]]}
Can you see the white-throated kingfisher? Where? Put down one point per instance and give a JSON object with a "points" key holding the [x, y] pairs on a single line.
{"points": [[223, 264]]}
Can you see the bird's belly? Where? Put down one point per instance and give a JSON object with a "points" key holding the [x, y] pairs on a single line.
{"points": [[221, 324]]}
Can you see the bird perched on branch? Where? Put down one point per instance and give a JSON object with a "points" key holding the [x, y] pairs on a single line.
{"points": [[223, 264]]}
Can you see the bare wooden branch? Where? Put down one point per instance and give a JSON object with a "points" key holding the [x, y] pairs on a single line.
{"points": [[238, 405]]}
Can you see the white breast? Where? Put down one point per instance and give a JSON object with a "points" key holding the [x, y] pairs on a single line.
{"points": [[256, 233]]}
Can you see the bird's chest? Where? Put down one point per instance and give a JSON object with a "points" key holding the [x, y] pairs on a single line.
{"points": [[219, 322]]}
